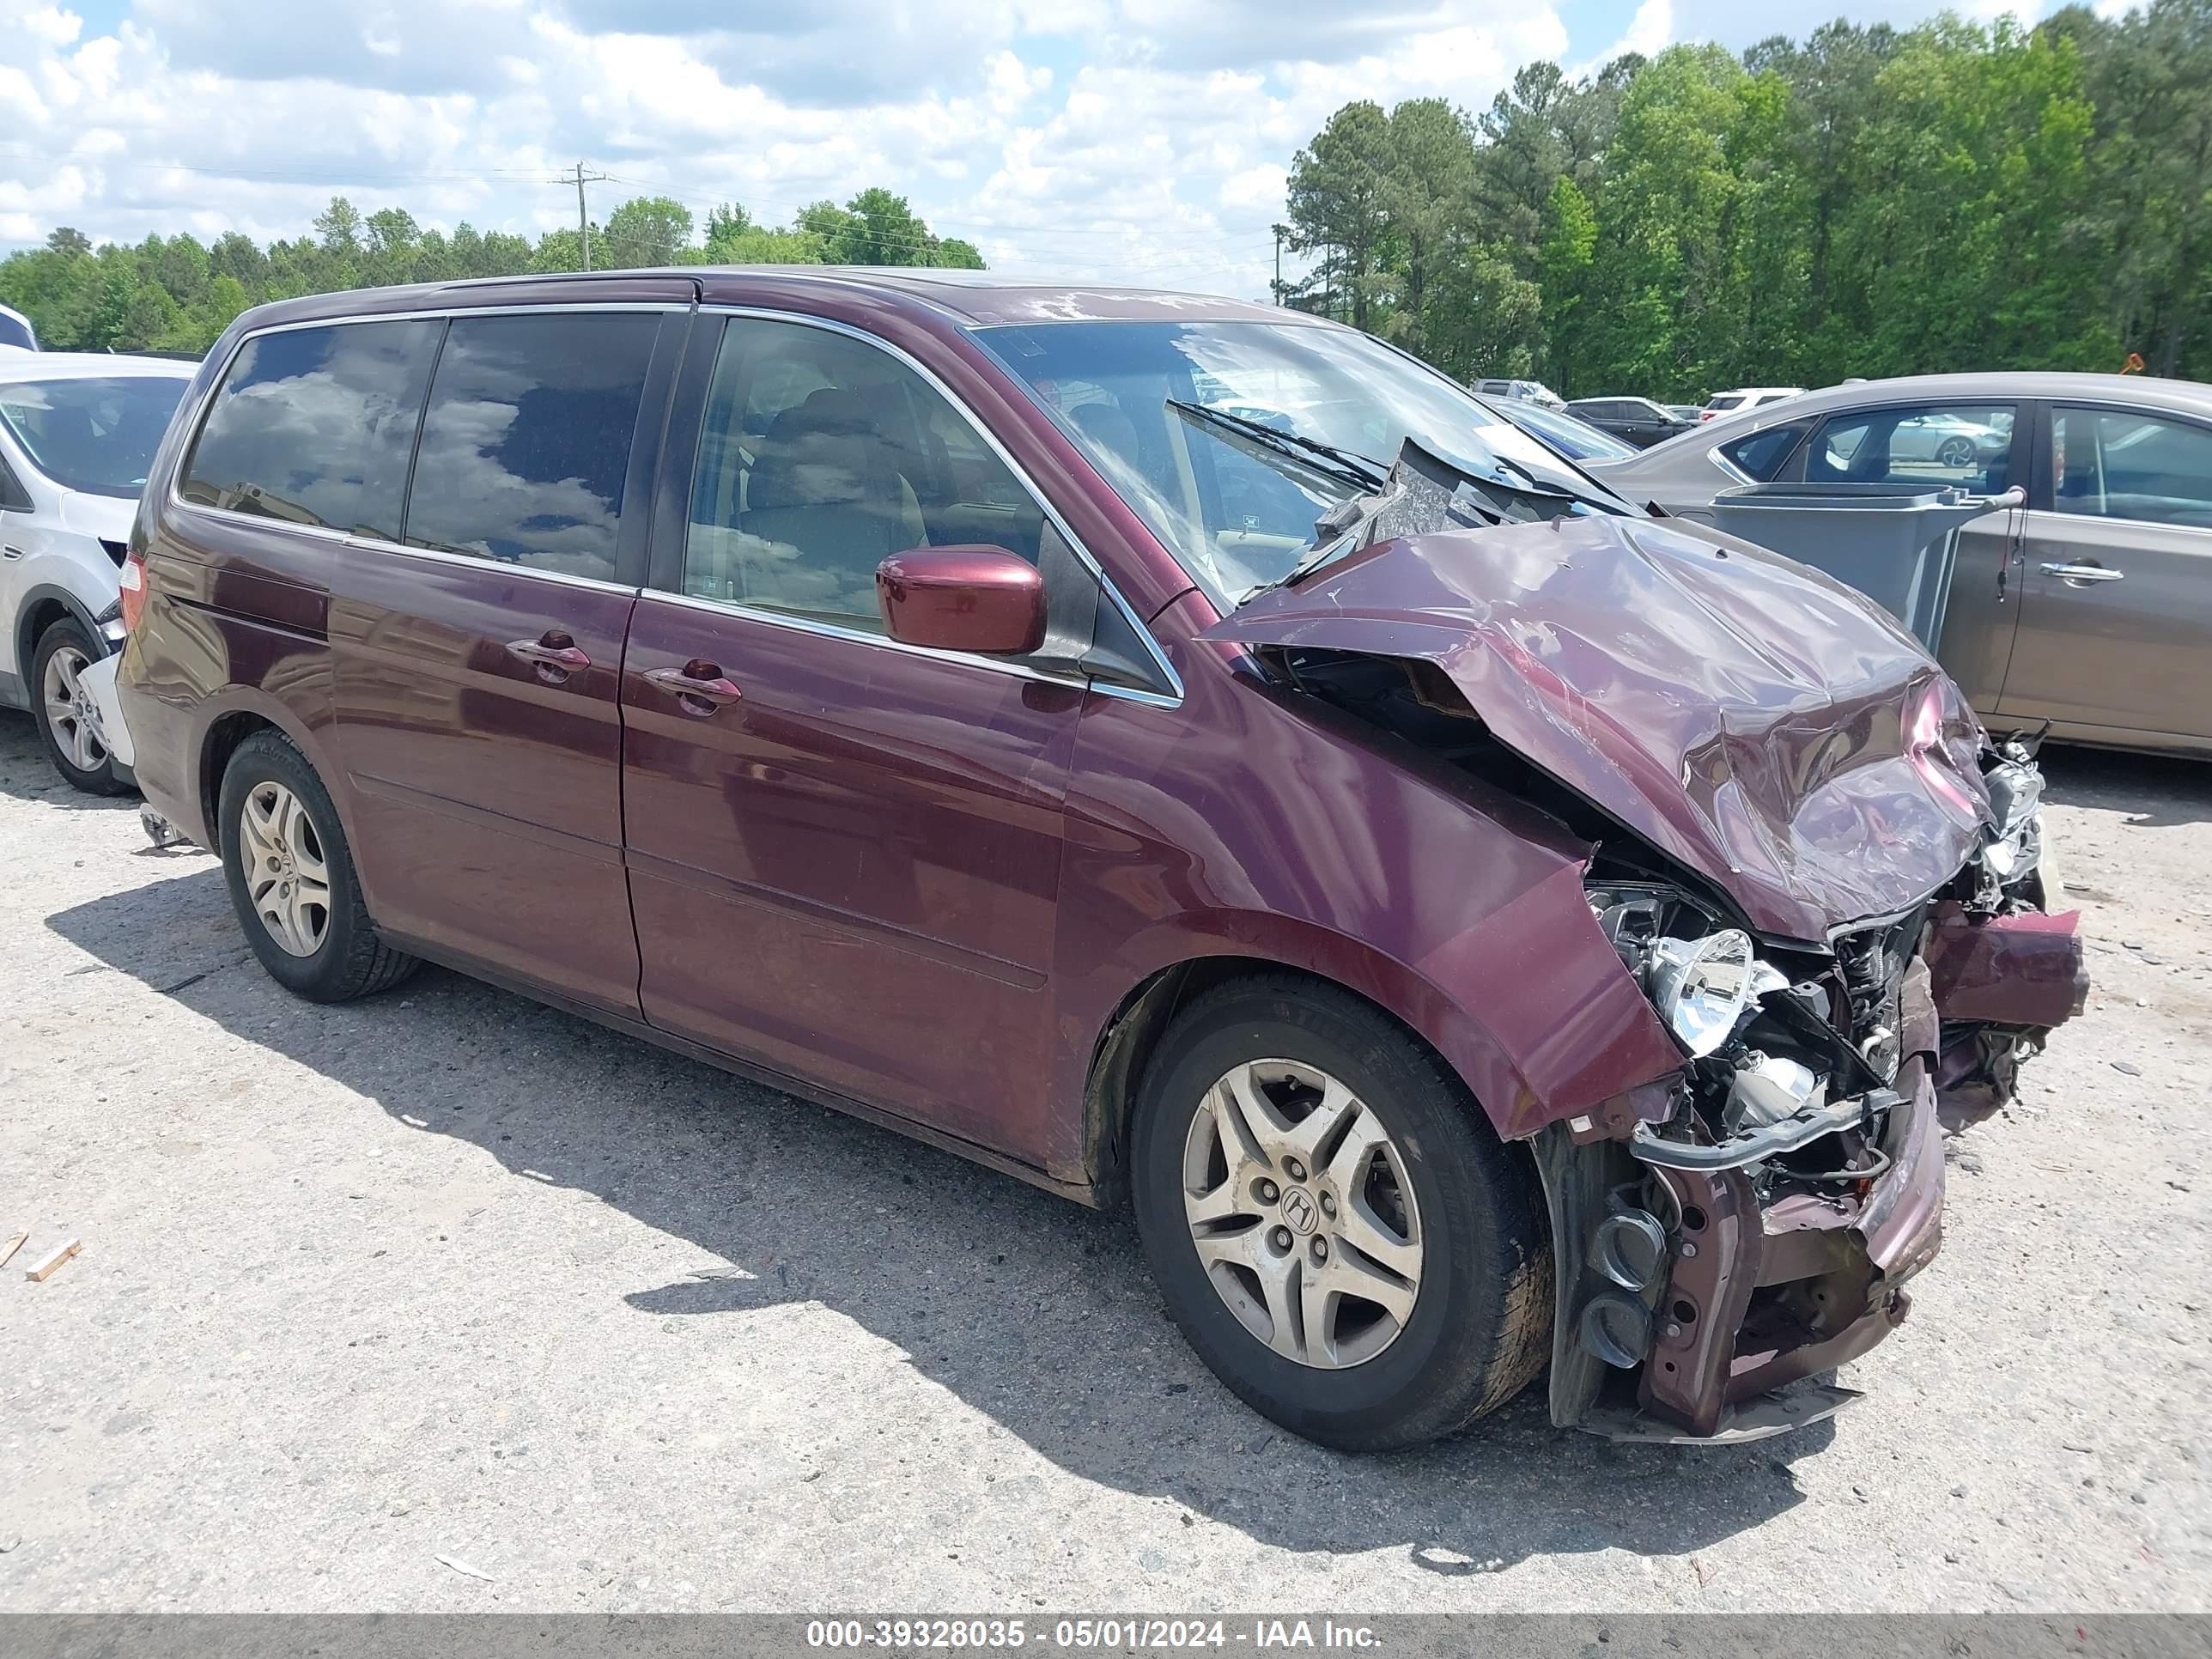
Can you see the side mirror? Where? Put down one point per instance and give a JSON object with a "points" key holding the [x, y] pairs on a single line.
{"points": [[963, 598]]}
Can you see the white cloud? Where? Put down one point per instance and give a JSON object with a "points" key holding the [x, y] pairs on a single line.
{"points": [[1648, 31], [1132, 140], [52, 25]]}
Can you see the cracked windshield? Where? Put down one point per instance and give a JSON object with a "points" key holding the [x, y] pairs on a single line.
{"points": [[1178, 418]]}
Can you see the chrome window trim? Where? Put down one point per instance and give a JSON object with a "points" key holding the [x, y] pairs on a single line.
{"points": [[172, 495], [862, 636], [470, 561], [762, 314], [378, 544]]}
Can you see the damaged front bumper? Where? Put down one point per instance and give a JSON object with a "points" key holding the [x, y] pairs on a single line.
{"points": [[1752, 1291], [1711, 1262]]}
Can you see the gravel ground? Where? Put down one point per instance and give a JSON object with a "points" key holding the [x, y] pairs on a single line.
{"points": [[447, 1274]]}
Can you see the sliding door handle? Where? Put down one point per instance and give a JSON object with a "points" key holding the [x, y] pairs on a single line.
{"points": [[552, 654], [2079, 573]]}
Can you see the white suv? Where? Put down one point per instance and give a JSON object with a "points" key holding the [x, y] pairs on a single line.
{"points": [[1747, 397], [78, 435]]}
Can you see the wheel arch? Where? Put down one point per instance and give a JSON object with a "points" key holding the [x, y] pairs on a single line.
{"points": [[1131, 1036], [228, 721], [38, 609]]}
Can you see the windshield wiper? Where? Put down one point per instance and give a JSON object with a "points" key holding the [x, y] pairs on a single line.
{"points": [[1314, 558], [1540, 489], [1347, 467]]}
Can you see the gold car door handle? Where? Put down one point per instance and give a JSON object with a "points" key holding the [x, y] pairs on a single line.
{"points": [[2080, 575]]}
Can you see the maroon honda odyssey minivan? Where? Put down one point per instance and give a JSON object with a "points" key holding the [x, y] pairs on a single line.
{"points": [[1179, 752]]}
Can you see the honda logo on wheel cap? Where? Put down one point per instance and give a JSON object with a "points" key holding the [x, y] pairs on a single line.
{"points": [[1299, 1210]]}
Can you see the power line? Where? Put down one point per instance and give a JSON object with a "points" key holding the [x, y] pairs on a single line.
{"points": [[1210, 239], [1200, 253], [323, 177], [1225, 241]]}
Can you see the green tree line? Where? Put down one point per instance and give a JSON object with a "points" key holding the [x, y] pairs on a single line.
{"points": [[177, 294], [1868, 202]]}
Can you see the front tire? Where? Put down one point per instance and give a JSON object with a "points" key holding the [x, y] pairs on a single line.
{"points": [[292, 878], [67, 719], [1331, 1224]]}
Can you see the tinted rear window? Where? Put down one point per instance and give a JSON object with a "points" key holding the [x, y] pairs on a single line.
{"points": [[527, 438], [314, 426], [1760, 456]]}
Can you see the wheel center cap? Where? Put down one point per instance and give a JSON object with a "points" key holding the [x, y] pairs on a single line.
{"points": [[1299, 1212]]}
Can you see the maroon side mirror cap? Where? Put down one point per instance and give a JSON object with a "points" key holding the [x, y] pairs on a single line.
{"points": [[963, 598]]}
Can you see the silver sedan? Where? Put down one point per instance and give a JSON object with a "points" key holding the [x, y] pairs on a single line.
{"points": [[2090, 605]]}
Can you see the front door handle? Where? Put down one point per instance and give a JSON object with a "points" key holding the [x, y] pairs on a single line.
{"points": [[2079, 573], [552, 654], [698, 687]]}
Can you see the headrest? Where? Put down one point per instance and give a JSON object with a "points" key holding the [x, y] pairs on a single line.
{"points": [[823, 452]]}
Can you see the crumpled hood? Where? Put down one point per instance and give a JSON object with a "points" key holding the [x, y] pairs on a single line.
{"points": [[1758, 722]]}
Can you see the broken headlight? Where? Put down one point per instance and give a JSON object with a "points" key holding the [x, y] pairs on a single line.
{"points": [[1701, 987], [1702, 979], [2014, 850]]}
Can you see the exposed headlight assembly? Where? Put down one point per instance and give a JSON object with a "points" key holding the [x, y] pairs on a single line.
{"points": [[1702, 986], [2014, 847]]}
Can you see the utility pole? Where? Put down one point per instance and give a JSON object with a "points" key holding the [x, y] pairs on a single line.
{"points": [[1279, 232], [580, 179]]}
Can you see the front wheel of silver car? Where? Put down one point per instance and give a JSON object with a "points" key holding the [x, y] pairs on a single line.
{"points": [[69, 719], [292, 878], [1331, 1223]]}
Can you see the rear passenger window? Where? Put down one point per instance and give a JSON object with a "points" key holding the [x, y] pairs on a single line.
{"points": [[314, 426], [1760, 456], [2123, 464], [820, 457], [526, 442]]}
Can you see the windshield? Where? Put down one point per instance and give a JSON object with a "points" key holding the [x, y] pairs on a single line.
{"points": [[1238, 518], [95, 435], [1572, 436]]}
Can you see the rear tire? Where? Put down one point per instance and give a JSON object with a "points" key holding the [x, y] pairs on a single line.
{"points": [[74, 743], [1460, 1219], [280, 841]]}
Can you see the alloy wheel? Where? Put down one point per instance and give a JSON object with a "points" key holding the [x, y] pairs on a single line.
{"points": [[1302, 1213], [286, 876], [71, 715]]}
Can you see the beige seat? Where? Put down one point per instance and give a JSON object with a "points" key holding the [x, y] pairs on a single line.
{"points": [[823, 507]]}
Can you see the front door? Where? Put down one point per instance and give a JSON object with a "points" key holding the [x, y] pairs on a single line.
{"points": [[477, 663], [844, 852], [2117, 600]]}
